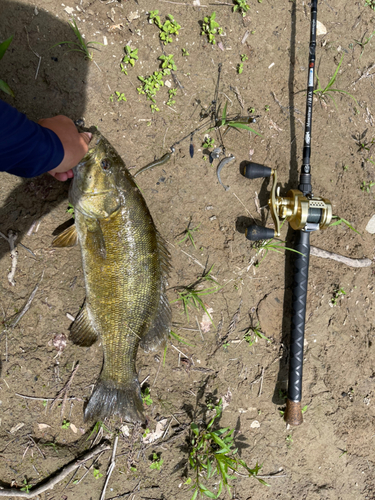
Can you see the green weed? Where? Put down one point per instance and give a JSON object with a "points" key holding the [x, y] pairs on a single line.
{"points": [[366, 186], [340, 220], [99, 425], [26, 485], [208, 142], [129, 58], [168, 62], [70, 210], [97, 473], [224, 122], [172, 93], [212, 452], [267, 245], [339, 292], [146, 396], [120, 96], [211, 28], [151, 85], [3, 48], [253, 333], [170, 26], [65, 424], [241, 6], [83, 47], [185, 52], [322, 93], [191, 295], [189, 234], [364, 41], [180, 339], [157, 462], [370, 3], [240, 68]]}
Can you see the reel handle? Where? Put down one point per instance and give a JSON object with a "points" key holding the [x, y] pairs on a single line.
{"points": [[256, 171], [256, 233]]}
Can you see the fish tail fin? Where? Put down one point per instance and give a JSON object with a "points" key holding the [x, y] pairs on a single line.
{"points": [[109, 398]]}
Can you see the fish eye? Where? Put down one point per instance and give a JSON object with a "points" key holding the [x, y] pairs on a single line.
{"points": [[105, 165]]}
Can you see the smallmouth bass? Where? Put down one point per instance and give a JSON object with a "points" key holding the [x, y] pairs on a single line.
{"points": [[125, 265]]}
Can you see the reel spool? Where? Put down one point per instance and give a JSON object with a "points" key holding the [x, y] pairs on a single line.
{"points": [[304, 213]]}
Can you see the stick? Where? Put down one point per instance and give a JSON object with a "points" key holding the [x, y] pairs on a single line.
{"points": [[35, 53], [64, 391], [46, 399], [261, 382], [14, 256], [19, 315], [65, 471], [324, 254], [112, 465]]}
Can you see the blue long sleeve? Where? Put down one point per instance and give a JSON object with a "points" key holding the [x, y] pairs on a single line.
{"points": [[26, 148]]}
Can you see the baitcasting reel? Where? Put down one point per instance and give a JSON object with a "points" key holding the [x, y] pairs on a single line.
{"points": [[303, 212]]}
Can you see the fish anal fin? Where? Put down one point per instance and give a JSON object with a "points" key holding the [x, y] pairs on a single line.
{"points": [[82, 331], [68, 238]]}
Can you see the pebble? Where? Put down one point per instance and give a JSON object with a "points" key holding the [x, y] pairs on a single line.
{"points": [[320, 28], [370, 228]]}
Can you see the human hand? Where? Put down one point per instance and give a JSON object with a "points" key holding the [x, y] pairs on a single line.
{"points": [[75, 144]]}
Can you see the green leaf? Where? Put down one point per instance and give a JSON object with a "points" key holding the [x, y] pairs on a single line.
{"points": [[194, 495], [194, 428], [243, 126], [4, 45], [5, 88]]}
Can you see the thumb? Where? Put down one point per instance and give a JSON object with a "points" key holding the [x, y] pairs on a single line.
{"points": [[86, 136]]}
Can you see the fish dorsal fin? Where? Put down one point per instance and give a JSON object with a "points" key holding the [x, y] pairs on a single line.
{"points": [[95, 237], [82, 331], [68, 238]]}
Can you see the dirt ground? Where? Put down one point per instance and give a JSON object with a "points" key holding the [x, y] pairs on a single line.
{"points": [[330, 456]]}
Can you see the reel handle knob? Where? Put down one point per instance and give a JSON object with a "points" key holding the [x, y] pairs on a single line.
{"points": [[256, 233], [255, 171]]}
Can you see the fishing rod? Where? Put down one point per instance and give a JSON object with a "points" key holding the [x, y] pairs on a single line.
{"points": [[305, 213]]}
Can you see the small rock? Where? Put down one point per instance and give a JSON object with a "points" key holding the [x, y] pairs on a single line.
{"points": [[69, 10], [320, 28], [168, 84], [255, 424], [370, 228]]}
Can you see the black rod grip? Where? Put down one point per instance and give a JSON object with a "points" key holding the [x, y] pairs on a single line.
{"points": [[257, 233], [253, 170], [301, 274]]}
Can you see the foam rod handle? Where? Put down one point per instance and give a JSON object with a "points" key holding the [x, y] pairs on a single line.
{"points": [[256, 171], [256, 233]]}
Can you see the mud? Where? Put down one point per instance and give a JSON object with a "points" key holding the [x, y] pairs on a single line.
{"points": [[330, 456]]}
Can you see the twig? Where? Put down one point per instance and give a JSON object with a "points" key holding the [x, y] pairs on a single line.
{"points": [[88, 470], [26, 307], [45, 399], [178, 350], [49, 484], [12, 236], [324, 254], [111, 467], [366, 74], [35, 53], [247, 33], [261, 382], [64, 391], [238, 95], [199, 328], [244, 207], [37, 447]]}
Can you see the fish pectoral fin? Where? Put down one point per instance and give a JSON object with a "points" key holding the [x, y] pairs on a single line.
{"points": [[82, 331], [95, 238], [68, 238]]}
